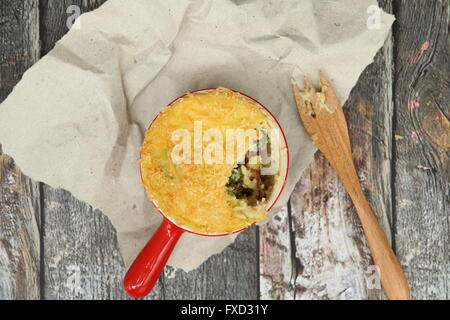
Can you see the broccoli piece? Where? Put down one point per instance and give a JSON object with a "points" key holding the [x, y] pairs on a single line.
{"points": [[235, 185]]}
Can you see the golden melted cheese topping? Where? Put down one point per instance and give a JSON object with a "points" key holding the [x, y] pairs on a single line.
{"points": [[194, 195]]}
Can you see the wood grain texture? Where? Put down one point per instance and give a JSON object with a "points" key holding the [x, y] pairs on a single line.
{"points": [[330, 258], [19, 233], [19, 196], [19, 40], [278, 264], [422, 166], [81, 255], [232, 274], [331, 252]]}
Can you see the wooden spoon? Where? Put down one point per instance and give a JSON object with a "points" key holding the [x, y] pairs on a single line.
{"points": [[324, 120]]}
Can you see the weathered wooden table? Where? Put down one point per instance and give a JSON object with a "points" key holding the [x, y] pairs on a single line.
{"points": [[55, 247]]}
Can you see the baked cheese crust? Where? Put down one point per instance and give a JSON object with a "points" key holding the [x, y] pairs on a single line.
{"points": [[195, 196]]}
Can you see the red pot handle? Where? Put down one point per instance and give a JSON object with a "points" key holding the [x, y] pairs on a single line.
{"points": [[145, 270]]}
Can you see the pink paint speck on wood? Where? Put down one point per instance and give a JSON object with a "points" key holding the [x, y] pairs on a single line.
{"points": [[414, 136], [425, 46], [417, 54], [413, 104]]}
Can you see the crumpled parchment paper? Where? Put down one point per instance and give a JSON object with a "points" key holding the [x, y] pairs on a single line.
{"points": [[76, 119]]}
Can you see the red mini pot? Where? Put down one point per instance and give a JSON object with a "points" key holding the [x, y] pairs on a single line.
{"points": [[145, 270]]}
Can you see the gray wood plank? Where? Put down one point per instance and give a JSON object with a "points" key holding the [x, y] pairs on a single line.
{"points": [[422, 149], [54, 16], [81, 255], [19, 196], [234, 273], [19, 38], [278, 263], [19, 234], [322, 249]]}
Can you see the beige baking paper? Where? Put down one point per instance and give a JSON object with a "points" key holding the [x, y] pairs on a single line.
{"points": [[76, 119]]}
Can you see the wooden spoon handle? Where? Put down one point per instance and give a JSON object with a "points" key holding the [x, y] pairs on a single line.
{"points": [[391, 274]]}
